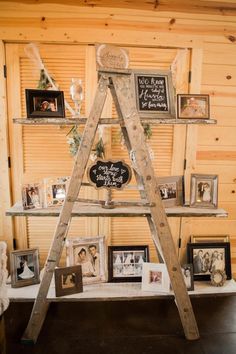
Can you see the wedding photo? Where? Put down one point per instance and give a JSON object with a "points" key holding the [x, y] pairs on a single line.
{"points": [[90, 254], [126, 262], [24, 267], [31, 196]]}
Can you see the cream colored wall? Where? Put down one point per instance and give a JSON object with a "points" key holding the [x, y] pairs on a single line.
{"points": [[212, 40]]}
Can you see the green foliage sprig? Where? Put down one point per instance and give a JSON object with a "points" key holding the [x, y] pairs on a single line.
{"points": [[99, 149], [74, 139], [44, 83], [147, 131]]}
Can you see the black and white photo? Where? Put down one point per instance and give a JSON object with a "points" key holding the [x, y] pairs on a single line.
{"points": [[68, 280], [126, 262], [187, 271], [204, 191], [24, 267], [171, 190], [89, 252], [208, 257]]}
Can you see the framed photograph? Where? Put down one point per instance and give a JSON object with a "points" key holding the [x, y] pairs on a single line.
{"points": [[32, 196], [171, 190], [24, 267], [193, 106], [204, 191], [44, 104], [68, 280], [154, 94], [209, 238], [55, 191], [125, 263], [187, 270], [90, 253], [207, 257], [155, 278]]}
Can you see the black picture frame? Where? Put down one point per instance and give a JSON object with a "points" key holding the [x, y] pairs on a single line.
{"points": [[125, 263], [193, 106], [44, 103], [204, 264], [68, 280]]}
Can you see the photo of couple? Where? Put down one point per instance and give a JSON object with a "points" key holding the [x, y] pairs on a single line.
{"points": [[89, 258]]}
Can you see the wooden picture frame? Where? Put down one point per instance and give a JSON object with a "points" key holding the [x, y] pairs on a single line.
{"points": [[154, 94], [44, 104], [55, 191], [204, 191], [82, 251], [155, 278], [193, 106], [68, 280], [209, 238], [125, 263], [187, 270], [24, 267], [207, 257], [171, 190], [32, 196]]}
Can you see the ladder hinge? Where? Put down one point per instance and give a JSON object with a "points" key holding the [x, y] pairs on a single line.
{"points": [[189, 76], [9, 162], [5, 71], [179, 242], [185, 164], [14, 243]]}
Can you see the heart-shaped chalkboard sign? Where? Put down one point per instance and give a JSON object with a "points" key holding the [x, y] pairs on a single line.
{"points": [[109, 174]]}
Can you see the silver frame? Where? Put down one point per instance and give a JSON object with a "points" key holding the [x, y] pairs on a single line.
{"points": [[193, 191], [16, 283], [73, 243], [170, 114]]}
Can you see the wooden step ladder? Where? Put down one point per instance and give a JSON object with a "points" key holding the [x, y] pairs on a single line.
{"points": [[120, 84]]}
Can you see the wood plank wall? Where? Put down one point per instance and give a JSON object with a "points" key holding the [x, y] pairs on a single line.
{"points": [[212, 33]]}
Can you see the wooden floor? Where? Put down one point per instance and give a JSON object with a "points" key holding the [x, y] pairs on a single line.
{"points": [[125, 327]]}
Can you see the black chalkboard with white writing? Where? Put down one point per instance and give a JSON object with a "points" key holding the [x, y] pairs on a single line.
{"points": [[154, 94], [109, 174]]}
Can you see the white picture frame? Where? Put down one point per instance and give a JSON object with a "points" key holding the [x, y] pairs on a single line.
{"points": [[155, 278], [79, 252], [55, 189], [32, 197]]}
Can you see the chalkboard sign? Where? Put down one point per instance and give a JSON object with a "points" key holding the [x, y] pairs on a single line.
{"points": [[154, 94], [109, 174]]}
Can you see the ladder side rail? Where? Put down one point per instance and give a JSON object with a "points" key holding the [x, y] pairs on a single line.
{"points": [[138, 178], [40, 307], [122, 86]]}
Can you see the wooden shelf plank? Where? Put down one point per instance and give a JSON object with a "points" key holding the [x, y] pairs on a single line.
{"points": [[81, 209], [118, 292], [107, 121]]}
